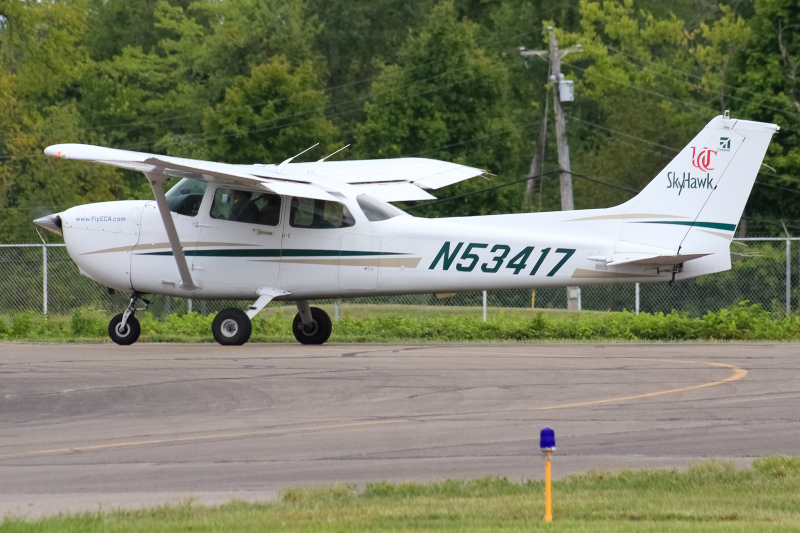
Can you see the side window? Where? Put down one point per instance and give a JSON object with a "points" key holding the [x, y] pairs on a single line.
{"points": [[185, 197], [319, 214], [250, 207], [375, 210]]}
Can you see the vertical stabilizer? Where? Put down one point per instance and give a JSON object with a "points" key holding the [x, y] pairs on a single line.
{"points": [[696, 201]]}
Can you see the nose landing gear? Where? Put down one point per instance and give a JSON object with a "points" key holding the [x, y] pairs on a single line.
{"points": [[124, 329]]}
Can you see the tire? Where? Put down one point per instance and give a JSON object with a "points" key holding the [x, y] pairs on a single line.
{"points": [[127, 336], [318, 333], [231, 327]]}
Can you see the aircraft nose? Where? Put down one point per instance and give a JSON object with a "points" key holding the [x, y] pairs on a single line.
{"points": [[50, 223]]}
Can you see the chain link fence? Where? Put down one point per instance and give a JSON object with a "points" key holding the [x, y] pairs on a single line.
{"points": [[43, 278]]}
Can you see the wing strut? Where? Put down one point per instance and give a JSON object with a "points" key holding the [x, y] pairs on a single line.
{"points": [[157, 184]]}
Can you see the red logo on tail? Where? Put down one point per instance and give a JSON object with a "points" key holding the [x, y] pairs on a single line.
{"points": [[702, 160]]}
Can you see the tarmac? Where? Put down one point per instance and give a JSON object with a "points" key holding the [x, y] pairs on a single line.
{"points": [[100, 427]]}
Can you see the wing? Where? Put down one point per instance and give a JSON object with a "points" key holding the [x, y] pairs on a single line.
{"points": [[390, 180], [202, 170]]}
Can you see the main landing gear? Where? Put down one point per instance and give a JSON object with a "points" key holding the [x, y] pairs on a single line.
{"points": [[124, 329], [311, 325], [231, 327]]}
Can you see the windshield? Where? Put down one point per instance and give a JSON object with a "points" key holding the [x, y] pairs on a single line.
{"points": [[186, 196], [375, 210]]}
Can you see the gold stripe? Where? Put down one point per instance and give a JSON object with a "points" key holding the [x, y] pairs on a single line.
{"points": [[604, 274], [627, 216], [390, 262], [727, 236]]}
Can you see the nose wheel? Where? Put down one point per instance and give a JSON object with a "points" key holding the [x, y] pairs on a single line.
{"points": [[124, 329], [124, 334]]}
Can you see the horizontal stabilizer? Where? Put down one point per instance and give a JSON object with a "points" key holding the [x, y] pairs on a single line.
{"points": [[645, 259]]}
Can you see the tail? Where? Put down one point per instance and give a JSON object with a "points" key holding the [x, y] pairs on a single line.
{"points": [[695, 203]]}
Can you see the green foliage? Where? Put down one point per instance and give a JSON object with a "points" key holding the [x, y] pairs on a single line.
{"points": [[89, 322], [27, 324], [409, 114], [742, 322], [258, 119], [260, 80]]}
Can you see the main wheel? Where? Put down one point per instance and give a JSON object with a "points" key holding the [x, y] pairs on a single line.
{"points": [[231, 327], [315, 333], [124, 335]]}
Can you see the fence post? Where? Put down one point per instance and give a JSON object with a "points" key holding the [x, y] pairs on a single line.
{"points": [[44, 278], [336, 309], [637, 298], [788, 277], [484, 306], [188, 306]]}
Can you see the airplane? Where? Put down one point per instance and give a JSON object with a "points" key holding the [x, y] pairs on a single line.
{"points": [[304, 231]]}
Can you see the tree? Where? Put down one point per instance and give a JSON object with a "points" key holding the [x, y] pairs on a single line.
{"points": [[42, 62], [445, 99], [767, 87], [269, 116]]}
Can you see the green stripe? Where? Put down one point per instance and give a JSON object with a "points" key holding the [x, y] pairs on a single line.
{"points": [[710, 225], [274, 252]]}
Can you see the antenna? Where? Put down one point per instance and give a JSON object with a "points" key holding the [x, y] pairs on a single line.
{"points": [[326, 157], [290, 159]]}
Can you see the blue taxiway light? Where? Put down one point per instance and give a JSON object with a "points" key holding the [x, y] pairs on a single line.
{"points": [[547, 439]]}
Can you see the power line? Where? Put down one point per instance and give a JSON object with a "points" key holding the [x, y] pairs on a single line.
{"points": [[688, 74]]}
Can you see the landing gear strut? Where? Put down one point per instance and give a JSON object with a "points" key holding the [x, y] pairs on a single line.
{"points": [[124, 329], [311, 325]]}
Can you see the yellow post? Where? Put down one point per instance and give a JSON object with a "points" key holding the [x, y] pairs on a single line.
{"points": [[533, 298], [548, 494]]}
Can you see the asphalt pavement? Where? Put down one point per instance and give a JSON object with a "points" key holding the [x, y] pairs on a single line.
{"points": [[84, 427]]}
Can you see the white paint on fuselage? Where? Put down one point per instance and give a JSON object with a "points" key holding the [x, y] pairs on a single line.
{"points": [[123, 245]]}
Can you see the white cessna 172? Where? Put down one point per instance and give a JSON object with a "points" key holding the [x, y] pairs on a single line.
{"points": [[304, 231]]}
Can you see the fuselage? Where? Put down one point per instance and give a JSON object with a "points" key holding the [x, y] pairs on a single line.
{"points": [[350, 249]]}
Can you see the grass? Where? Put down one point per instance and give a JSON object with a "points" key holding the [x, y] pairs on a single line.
{"points": [[743, 322], [711, 496]]}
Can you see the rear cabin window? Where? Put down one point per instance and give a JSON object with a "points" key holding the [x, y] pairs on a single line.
{"points": [[249, 207], [185, 197], [319, 214], [375, 210]]}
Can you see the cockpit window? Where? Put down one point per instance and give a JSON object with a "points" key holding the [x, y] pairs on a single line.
{"points": [[375, 210], [250, 207], [319, 214], [185, 197]]}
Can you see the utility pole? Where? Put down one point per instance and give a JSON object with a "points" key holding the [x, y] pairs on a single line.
{"points": [[562, 91], [561, 128]]}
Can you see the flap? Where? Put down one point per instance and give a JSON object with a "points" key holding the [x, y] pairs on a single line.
{"points": [[395, 192]]}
